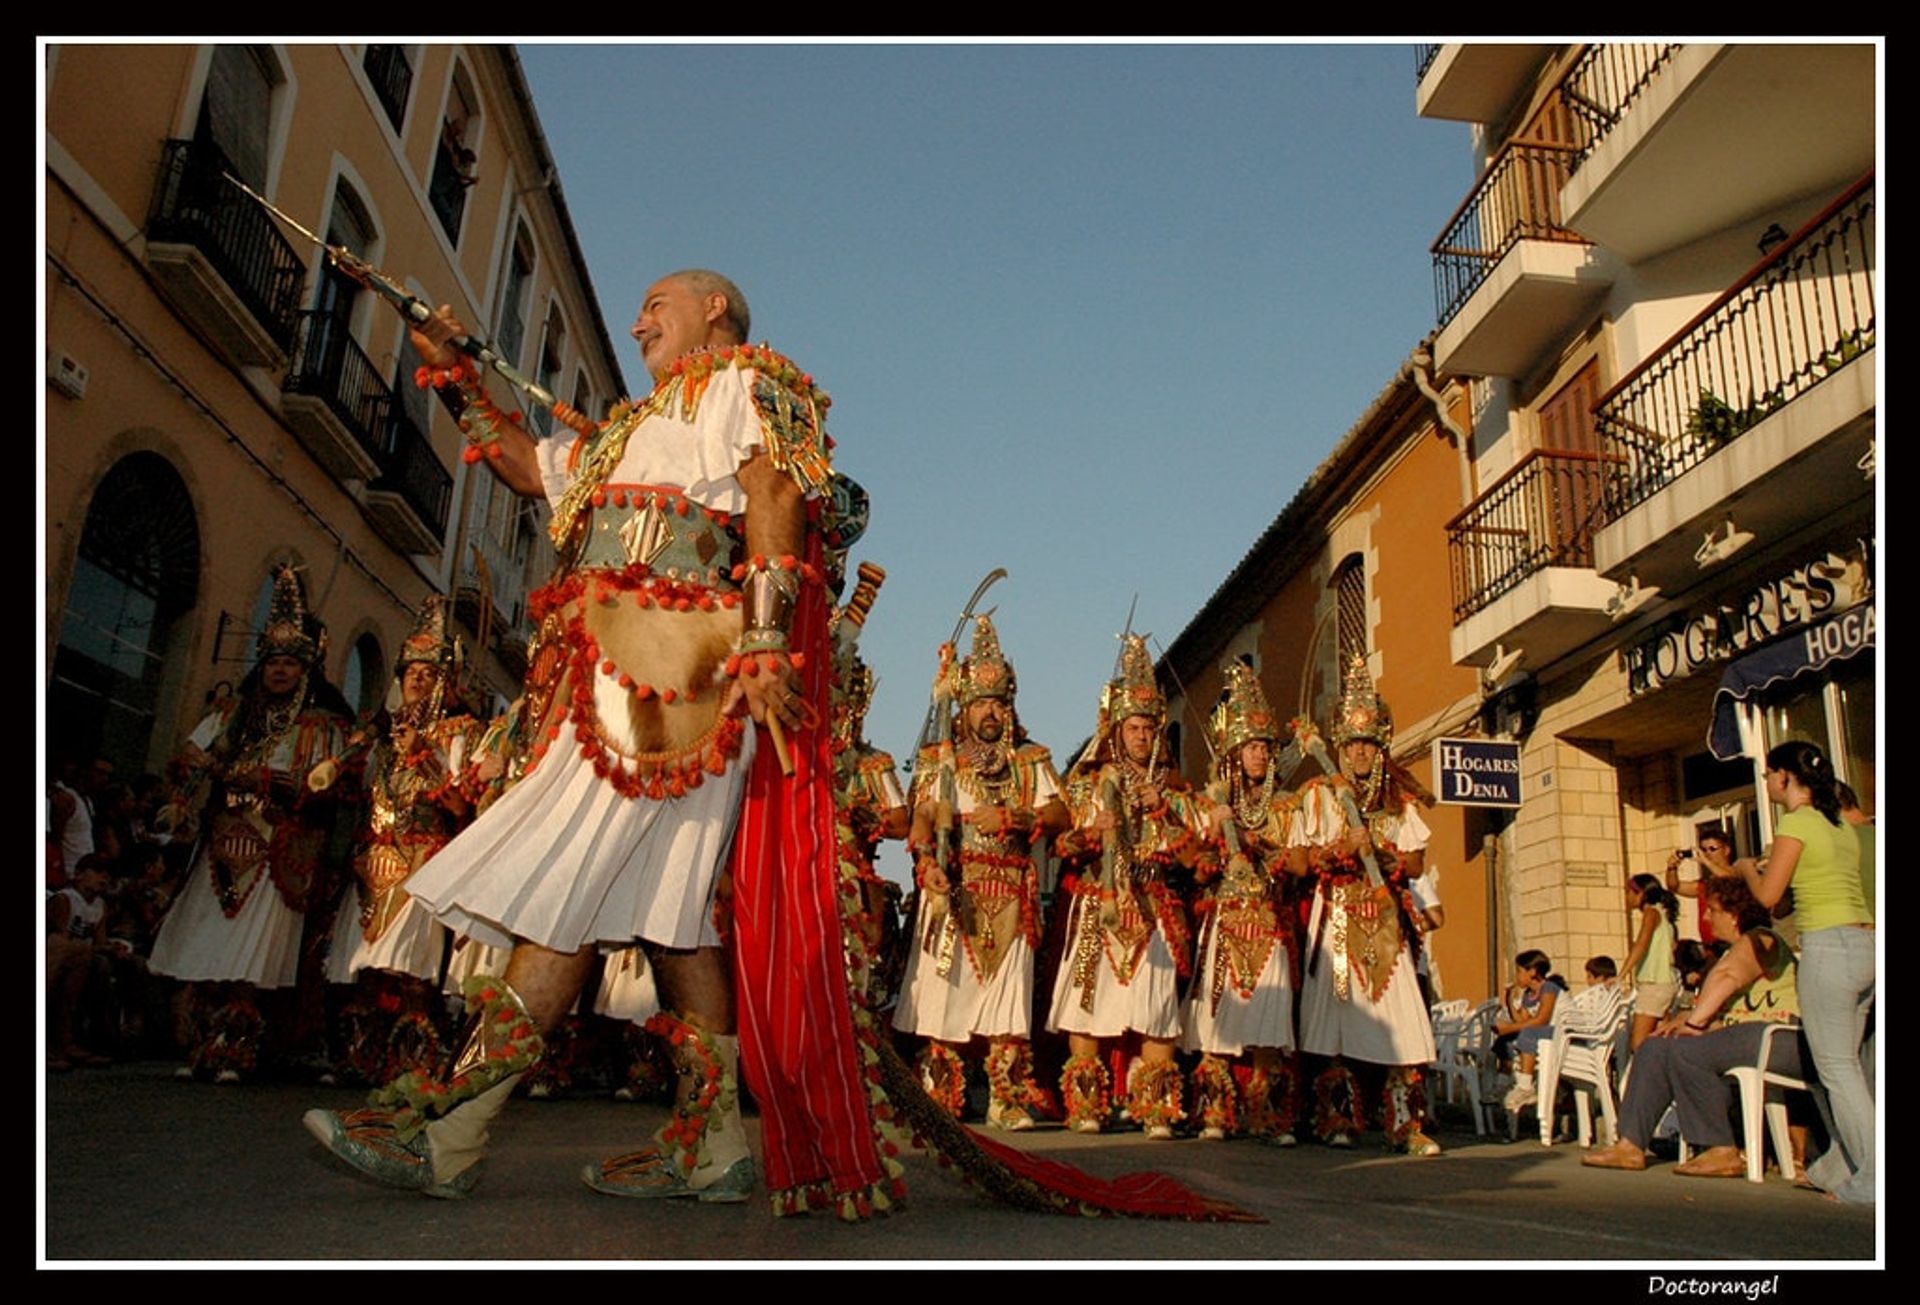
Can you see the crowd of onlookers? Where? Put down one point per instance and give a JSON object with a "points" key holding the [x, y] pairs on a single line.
{"points": [[1732, 960]]}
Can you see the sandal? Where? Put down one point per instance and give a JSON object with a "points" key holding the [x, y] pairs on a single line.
{"points": [[1715, 1162], [1621, 1155]]}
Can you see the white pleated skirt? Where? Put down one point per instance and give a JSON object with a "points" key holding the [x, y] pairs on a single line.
{"points": [[1395, 1030], [627, 990], [959, 1006], [1148, 1005], [410, 944], [198, 943], [565, 861], [1264, 1019]]}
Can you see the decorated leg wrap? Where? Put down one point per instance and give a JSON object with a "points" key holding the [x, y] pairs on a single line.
{"points": [[702, 1150], [1214, 1098], [364, 1030], [413, 1044], [427, 1132], [944, 1075], [1014, 1096], [1273, 1101], [1084, 1093], [1337, 1106], [229, 1045], [1404, 1108], [1153, 1097], [554, 1075]]}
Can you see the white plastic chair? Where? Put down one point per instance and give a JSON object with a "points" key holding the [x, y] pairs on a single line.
{"points": [[1461, 1054], [1586, 1028], [1756, 1103]]}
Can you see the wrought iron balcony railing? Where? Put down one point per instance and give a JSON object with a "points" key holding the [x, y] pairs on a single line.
{"points": [[330, 366], [1518, 198], [409, 468], [392, 77], [1423, 57], [1542, 513], [1801, 315], [194, 205], [1603, 83]]}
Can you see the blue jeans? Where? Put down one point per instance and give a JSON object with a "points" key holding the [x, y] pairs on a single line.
{"points": [[1836, 982]]}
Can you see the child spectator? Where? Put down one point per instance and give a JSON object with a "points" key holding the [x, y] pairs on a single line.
{"points": [[76, 934], [1536, 989], [1601, 971]]}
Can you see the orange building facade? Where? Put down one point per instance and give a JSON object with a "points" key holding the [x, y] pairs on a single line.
{"points": [[219, 400]]}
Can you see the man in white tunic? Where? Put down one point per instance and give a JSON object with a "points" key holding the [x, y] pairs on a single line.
{"points": [[1361, 834], [384, 941], [983, 799], [1135, 822], [236, 927], [1241, 1001], [680, 522]]}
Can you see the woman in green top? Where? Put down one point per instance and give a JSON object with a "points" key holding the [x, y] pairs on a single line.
{"points": [[1818, 856]]}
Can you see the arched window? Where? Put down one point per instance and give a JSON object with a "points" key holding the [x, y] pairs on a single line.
{"points": [[364, 682], [136, 576], [1349, 585], [515, 289]]}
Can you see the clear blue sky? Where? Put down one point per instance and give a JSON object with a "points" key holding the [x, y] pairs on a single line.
{"points": [[1090, 313]]}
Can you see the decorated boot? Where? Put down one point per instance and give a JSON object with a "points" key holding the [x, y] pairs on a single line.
{"points": [[1013, 1095], [1337, 1119], [1405, 1105], [1214, 1099], [1273, 1102], [944, 1077], [428, 1133], [228, 1049], [1084, 1093], [1153, 1098], [702, 1151]]}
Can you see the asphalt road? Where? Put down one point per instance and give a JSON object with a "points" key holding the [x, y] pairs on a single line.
{"points": [[137, 1166]]}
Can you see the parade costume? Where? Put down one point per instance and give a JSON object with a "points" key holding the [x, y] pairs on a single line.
{"points": [[636, 789], [1361, 995], [970, 969], [263, 842], [417, 800], [1242, 996], [1127, 937]]}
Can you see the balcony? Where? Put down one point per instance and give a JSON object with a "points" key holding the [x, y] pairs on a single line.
{"points": [[1509, 276], [1693, 139], [1759, 410], [1522, 560], [218, 256], [407, 502], [1475, 82], [335, 400]]}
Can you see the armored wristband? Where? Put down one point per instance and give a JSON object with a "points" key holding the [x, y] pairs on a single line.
{"points": [[770, 591]]}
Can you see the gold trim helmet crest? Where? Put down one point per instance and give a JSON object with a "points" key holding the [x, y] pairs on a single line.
{"points": [[1363, 713], [1137, 691], [1242, 714], [985, 671], [289, 631], [431, 644]]}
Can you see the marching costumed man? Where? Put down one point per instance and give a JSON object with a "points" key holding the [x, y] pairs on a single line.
{"points": [[1135, 822], [682, 644], [984, 798], [867, 788], [383, 939], [236, 926], [1360, 833], [1241, 1000]]}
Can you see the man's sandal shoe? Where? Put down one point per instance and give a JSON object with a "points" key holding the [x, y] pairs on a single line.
{"points": [[648, 1174], [366, 1141], [1715, 1162], [1621, 1155]]}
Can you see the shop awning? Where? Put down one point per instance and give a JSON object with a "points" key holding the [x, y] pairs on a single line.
{"points": [[1806, 651]]}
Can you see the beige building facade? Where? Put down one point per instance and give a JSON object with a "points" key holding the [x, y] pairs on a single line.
{"points": [[1661, 292], [220, 400]]}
